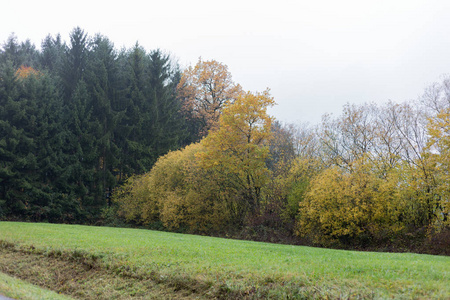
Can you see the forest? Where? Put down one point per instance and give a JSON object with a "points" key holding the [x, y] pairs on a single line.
{"points": [[94, 135]]}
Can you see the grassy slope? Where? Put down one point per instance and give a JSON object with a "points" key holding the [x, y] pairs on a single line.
{"points": [[18, 289], [244, 265]]}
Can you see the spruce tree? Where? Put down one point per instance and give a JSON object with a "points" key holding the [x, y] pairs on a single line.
{"points": [[19, 54], [74, 61], [52, 54], [80, 151], [132, 136], [166, 120], [101, 75]]}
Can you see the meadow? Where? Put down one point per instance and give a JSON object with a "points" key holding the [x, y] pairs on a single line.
{"points": [[151, 264]]}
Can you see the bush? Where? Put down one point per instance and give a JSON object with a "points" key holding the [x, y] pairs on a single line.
{"points": [[177, 192], [350, 207]]}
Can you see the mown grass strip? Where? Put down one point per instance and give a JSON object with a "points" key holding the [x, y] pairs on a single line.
{"points": [[214, 267], [77, 275]]}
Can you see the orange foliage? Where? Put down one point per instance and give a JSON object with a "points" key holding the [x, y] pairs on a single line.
{"points": [[205, 90], [25, 72]]}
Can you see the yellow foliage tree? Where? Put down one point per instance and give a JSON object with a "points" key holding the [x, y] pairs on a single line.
{"points": [[343, 206], [176, 192], [135, 201], [237, 151], [185, 194], [439, 146]]}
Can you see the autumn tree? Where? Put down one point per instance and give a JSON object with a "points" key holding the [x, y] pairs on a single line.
{"points": [[352, 207], [439, 156], [134, 200], [238, 149], [436, 104], [177, 192], [292, 161], [204, 91]]}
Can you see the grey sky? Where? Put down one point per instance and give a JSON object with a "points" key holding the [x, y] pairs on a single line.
{"points": [[314, 55]]}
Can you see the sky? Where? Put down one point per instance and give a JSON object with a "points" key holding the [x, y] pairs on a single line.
{"points": [[314, 55]]}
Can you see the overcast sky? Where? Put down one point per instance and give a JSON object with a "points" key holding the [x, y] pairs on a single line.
{"points": [[314, 55]]}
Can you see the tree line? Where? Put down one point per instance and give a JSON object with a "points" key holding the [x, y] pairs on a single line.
{"points": [[90, 134]]}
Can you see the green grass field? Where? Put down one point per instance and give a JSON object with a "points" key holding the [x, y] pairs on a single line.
{"points": [[231, 268]]}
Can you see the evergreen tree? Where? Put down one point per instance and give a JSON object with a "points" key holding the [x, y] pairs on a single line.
{"points": [[74, 62], [101, 78], [80, 151], [52, 54], [19, 54], [9, 141], [167, 121], [133, 138]]}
